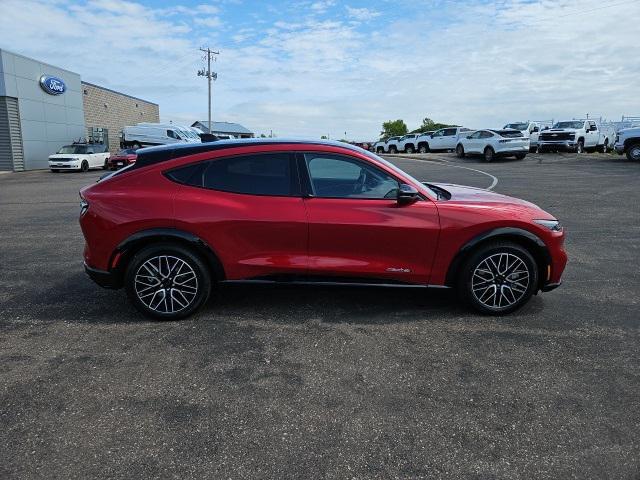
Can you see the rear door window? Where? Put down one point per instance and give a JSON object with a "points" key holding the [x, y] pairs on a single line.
{"points": [[260, 174]]}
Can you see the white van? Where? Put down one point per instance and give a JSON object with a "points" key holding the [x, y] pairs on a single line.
{"points": [[148, 134]]}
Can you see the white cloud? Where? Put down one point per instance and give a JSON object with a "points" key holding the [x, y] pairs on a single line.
{"points": [[362, 14]]}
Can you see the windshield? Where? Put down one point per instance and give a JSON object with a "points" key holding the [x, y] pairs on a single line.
{"points": [[401, 172], [517, 126], [73, 149], [575, 125]]}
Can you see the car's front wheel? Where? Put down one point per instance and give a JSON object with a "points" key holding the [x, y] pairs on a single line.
{"points": [[633, 152], [460, 151], [167, 282], [409, 149], [84, 166], [424, 148], [498, 278]]}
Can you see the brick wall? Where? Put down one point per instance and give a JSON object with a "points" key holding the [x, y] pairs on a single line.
{"points": [[105, 108]]}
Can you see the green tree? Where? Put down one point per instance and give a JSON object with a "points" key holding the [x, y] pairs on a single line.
{"points": [[393, 128]]}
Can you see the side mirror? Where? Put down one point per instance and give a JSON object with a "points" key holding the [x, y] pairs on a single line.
{"points": [[407, 194]]}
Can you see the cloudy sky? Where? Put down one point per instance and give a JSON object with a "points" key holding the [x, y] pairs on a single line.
{"points": [[311, 68]]}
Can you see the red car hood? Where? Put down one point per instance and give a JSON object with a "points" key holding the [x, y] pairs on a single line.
{"points": [[464, 194]]}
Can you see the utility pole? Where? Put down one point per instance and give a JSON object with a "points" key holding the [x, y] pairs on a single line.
{"points": [[210, 76]]}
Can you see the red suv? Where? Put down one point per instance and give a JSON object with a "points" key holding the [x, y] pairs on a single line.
{"points": [[182, 218]]}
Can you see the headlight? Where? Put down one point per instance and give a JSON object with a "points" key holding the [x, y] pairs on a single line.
{"points": [[84, 206], [550, 224]]}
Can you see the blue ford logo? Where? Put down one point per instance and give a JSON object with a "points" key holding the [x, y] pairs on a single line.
{"points": [[52, 85]]}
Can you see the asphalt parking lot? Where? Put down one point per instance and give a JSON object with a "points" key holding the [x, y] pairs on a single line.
{"points": [[308, 382]]}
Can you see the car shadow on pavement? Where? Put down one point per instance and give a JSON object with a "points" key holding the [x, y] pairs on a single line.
{"points": [[87, 303]]}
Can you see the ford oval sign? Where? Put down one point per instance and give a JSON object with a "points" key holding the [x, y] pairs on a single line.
{"points": [[52, 85]]}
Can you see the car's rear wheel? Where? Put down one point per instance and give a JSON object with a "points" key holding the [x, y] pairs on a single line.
{"points": [[498, 278], [424, 148], [84, 166], [633, 152], [167, 281], [106, 164], [393, 149], [489, 154], [460, 151], [409, 149]]}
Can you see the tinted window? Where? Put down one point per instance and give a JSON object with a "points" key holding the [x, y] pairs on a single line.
{"points": [[449, 132], [335, 176], [268, 174], [485, 134], [189, 175], [475, 135]]}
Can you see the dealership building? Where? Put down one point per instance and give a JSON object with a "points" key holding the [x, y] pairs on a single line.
{"points": [[43, 107]]}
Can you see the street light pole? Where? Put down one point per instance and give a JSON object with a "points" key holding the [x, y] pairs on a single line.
{"points": [[210, 76]]}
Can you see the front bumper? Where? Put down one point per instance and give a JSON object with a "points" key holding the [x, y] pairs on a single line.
{"points": [[619, 148], [551, 286], [102, 278], [74, 165], [567, 145]]}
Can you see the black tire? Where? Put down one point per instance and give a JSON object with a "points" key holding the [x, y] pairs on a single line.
{"points": [[489, 154], [409, 149], [106, 164], [633, 152], [521, 287], [424, 148], [393, 149], [460, 151], [580, 146], [380, 150], [196, 296], [84, 166], [520, 156], [604, 148]]}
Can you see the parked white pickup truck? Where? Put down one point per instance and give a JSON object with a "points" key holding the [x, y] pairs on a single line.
{"points": [[530, 130], [443, 139], [79, 156], [628, 142], [575, 136]]}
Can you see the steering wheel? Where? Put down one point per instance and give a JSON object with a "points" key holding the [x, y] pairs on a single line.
{"points": [[358, 187]]}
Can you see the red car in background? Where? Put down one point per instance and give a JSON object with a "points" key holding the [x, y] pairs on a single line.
{"points": [[122, 159], [183, 218]]}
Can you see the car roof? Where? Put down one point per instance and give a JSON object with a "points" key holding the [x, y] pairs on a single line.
{"points": [[152, 155]]}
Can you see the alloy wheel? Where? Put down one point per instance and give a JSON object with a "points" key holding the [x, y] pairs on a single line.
{"points": [[166, 284], [500, 281], [634, 152]]}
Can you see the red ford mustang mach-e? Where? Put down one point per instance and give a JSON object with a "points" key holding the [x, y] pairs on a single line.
{"points": [[182, 218]]}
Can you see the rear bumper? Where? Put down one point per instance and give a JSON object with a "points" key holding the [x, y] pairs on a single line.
{"points": [[513, 151], [102, 278]]}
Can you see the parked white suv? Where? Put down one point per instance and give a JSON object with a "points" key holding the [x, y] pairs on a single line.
{"points": [[529, 129], [494, 143], [408, 143], [443, 139], [574, 136], [628, 142], [79, 156]]}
